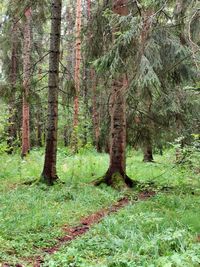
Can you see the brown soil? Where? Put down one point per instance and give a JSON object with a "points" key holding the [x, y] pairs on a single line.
{"points": [[72, 233]]}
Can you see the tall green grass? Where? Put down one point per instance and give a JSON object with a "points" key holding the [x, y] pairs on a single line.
{"points": [[159, 233], [32, 216]]}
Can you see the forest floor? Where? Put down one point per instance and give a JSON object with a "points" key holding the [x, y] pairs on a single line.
{"points": [[117, 229]]}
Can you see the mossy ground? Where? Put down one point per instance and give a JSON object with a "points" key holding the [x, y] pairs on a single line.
{"points": [[158, 232]]}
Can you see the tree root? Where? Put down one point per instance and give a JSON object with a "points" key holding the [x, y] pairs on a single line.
{"points": [[115, 180]]}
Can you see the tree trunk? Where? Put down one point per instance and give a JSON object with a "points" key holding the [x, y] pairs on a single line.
{"points": [[49, 174], [12, 131], [116, 173], [39, 127], [65, 136], [148, 154], [70, 59], [77, 75], [95, 113], [118, 131], [147, 97], [26, 84]]}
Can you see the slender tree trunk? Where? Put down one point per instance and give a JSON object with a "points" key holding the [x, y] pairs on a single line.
{"points": [[12, 131], [95, 113], [49, 174], [77, 74], [39, 127], [148, 152], [89, 9], [147, 142], [70, 58], [65, 136], [26, 84]]}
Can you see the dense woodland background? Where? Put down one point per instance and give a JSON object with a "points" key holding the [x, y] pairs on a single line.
{"points": [[88, 88], [153, 45]]}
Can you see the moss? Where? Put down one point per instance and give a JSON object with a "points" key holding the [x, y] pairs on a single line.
{"points": [[116, 180]]}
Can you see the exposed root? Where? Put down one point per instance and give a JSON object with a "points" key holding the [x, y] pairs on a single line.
{"points": [[50, 180], [116, 180]]}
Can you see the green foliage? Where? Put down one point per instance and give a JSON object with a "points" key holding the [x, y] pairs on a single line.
{"points": [[152, 233], [32, 216], [189, 153]]}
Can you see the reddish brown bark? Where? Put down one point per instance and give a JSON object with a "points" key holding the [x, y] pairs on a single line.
{"points": [[77, 62], [26, 84], [89, 8], [77, 75], [49, 174], [95, 113]]}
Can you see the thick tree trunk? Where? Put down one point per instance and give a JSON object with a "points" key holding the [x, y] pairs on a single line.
{"points": [[49, 174], [26, 84], [12, 131], [77, 75], [116, 174], [117, 167]]}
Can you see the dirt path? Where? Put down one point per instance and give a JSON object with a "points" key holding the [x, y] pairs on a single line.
{"points": [[72, 233]]}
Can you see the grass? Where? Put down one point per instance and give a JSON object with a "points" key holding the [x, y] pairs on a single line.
{"points": [[154, 233]]}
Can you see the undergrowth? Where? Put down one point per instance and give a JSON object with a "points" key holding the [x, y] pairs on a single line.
{"points": [[159, 232]]}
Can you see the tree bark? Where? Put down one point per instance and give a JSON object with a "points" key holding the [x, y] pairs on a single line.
{"points": [[49, 174], [12, 131], [116, 173], [148, 98], [77, 75], [26, 84], [95, 113]]}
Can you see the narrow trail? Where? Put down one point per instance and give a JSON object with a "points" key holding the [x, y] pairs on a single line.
{"points": [[71, 233]]}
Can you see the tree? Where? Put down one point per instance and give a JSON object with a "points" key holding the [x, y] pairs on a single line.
{"points": [[77, 78], [26, 84], [93, 78], [49, 174], [13, 80], [116, 173]]}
